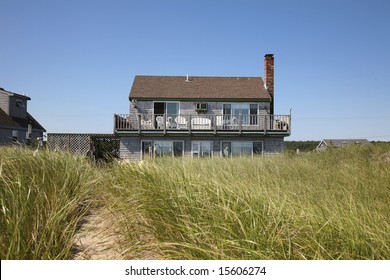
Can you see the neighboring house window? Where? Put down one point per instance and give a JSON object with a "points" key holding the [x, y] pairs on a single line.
{"points": [[241, 148], [20, 104], [202, 148], [15, 134], [162, 148]]}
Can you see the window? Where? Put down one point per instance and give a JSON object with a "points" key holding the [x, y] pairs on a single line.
{"points": [[15, 135], [226, 149], [241, 148], [20, 104], [161, 148], [201, 107], [257, 148], [253, 114], [170, 109], [201, 148], [247, 112]]}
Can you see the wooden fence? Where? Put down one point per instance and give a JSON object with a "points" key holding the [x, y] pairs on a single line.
{"points": [[96, 146]]}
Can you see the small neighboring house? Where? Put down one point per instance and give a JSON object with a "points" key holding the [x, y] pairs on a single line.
{"points": [[202, 117], [340, 143], [16, 124]]}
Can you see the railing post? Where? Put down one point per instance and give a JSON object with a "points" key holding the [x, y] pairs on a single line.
{"points": [[190, 124], [215, 124], [239, 123], [139, 123], [165, 123]]}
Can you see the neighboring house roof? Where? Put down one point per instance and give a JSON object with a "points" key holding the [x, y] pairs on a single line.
{"points": [[339, 143], [7, 121], [195, 88], [9, 93]]}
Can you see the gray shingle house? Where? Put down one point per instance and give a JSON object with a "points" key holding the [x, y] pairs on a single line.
{"points": [[202, 117], [340, 143], [16, 124]]}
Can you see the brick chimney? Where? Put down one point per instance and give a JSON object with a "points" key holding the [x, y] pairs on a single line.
{"points": [[269, 77]]}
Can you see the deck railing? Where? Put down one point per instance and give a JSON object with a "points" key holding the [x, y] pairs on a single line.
{"points": [[165, 122]]}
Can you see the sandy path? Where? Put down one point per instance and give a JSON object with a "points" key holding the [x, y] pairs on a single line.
{"points": [[97, 238]]}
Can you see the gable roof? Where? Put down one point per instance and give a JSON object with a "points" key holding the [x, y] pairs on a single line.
{"points": [[341, 142], [195, 88], [9, 93], [12, 122]]}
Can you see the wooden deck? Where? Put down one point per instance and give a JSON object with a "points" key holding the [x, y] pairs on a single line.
{"points": [[202, 124]]}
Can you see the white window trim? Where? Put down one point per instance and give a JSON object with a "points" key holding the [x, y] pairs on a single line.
{"points": [[199, 141]]}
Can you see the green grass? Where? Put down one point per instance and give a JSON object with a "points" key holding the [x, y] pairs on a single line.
{"points": [[42, 198], [330, 205]]}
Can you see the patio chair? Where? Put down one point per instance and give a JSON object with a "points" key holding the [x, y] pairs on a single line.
{"points": [[160, 122], [181, 122]]}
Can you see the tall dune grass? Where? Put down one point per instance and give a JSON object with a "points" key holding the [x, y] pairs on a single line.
{"points": [[43, 198], [331, 205]]}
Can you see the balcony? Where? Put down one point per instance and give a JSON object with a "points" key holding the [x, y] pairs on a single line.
{"points": [[202, 124]]}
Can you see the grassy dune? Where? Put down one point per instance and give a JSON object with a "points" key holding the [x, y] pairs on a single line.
{"points": [[331, 205], [42, 198]]}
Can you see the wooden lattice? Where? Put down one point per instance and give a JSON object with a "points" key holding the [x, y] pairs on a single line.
{"points": [[75, 143], [95, 146]]}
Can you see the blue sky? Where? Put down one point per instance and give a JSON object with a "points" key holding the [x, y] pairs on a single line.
{"points": [[77, 59]]}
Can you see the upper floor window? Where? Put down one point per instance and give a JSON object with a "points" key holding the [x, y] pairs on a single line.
{"points": [[20, 104], [247, 112]]}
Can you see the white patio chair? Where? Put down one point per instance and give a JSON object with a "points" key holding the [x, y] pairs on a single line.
{"points": [[181, 122], [160, 122], [200, 123]]}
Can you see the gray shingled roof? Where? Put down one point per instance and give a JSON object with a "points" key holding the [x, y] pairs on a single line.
{"points": [[343, 142], [179, 88], [8, 121]]}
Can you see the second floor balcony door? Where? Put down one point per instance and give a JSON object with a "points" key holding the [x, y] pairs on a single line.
{"points": [[170, 109]]}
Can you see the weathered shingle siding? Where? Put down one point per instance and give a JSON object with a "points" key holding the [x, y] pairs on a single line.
{"points": [[4, 102], [130, 147], [274, 145], [14, 110], [5, 135]]}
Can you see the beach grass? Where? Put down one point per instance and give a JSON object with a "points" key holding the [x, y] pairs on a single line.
{"points": [[328, 205]]}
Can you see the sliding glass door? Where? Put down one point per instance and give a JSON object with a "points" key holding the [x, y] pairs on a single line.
{"points": [[247, 112]]}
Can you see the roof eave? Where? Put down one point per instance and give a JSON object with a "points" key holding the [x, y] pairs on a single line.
{"points": [[201, 99]]}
